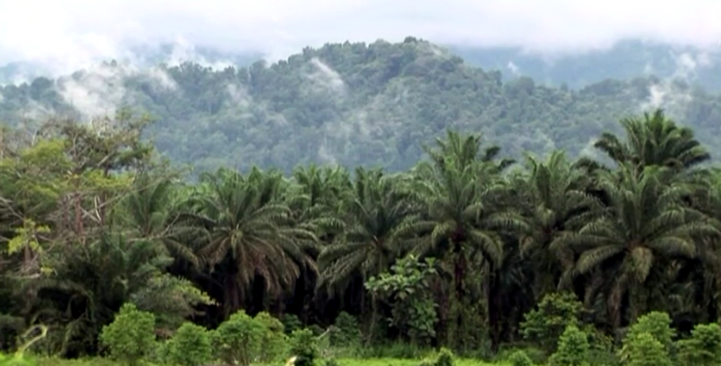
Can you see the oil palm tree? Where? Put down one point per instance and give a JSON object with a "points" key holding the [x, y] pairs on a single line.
{"points": [[652, 140], [558, 202], [465, 215], [645, 222], [248, 234], [372, 217], [151, 212]]}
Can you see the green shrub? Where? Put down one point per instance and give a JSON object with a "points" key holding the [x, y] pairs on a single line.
{"points": [[290, 322], [346, 331], [643, 349], [445, 357], [555, 312], [658, 325], [704, 346], [316, 329], [190, 346], [238, 339], [131, 335], [160, 354], [274, 342], [535, 354], [304, 346], [520, 358], [572, 348]]}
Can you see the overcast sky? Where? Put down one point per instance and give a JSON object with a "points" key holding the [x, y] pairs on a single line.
{"points": [[74, 32]]}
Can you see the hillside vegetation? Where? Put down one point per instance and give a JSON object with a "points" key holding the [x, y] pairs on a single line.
{"points": [[604, 259], [108, 253], [353, 104]]}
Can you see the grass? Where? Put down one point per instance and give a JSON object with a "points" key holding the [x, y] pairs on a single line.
{"points": [[408, 362], [341, 362]]}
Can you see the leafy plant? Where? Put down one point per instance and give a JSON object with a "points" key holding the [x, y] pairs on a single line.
{"points": [[704, 346], [131, 336], [190, 346], [657, 325], [572, 348], [407, 286], [304, 346], [445, 357], [555, 312], [346, 331], [290, 322], [643, 349], [238, 339], [520, 358], [274, 342]]}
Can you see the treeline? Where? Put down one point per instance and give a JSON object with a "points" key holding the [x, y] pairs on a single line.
{"points": [[353, 104], [453, 251]]}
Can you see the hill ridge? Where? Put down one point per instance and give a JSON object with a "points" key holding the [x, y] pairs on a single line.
{"points": [[352, 104]]}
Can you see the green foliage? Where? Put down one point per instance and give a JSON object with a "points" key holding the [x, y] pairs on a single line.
{"points": [[172, 298], [658, 325], [304, 346], [444, 357], [505, 354], [406, 285], [274, 343], [89, 220], [417, 85], [190, 346], [130, 337], [346, 331], [471, 333], [238, 339], [393, 349], [704, 346], [520, 358], [555, 312], [331, 362], [16, 360], [290, 322], [573, 348], [643, 349]]}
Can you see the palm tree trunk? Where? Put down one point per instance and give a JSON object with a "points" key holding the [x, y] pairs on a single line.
{"points": [[494, 309], [232, 293], [459, 273], [374, 319]]}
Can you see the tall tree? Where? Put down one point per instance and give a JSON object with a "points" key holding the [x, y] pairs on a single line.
{"points": [[248, 235], [646, 221]]}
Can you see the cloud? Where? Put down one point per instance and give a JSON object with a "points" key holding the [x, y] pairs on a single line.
{"points": [[515, 70], [325, 80], [100, 90], [71, 34]]}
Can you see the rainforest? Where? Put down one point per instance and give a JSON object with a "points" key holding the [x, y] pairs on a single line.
{"points": [[407, 209]]}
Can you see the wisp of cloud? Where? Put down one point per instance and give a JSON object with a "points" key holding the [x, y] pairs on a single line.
{"points": [[72, 34]]}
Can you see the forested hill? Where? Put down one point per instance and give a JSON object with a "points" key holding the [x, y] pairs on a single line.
{"points": [[353, 104]]}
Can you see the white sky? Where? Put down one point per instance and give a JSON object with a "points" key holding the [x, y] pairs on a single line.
{"points": [[74, 32]]}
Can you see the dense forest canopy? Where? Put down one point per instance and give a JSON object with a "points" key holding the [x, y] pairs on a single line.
{"points": [[624, 60], [353, 104], [449, 243]]}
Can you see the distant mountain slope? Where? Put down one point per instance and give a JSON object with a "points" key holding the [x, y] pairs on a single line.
{"points": [[625, 60], [353, 104]]}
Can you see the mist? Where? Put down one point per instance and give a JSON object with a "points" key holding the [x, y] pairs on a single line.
{"points": [[61, 37]]}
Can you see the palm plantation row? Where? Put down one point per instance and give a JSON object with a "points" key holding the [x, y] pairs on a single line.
{"points": [[93, 222]]}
